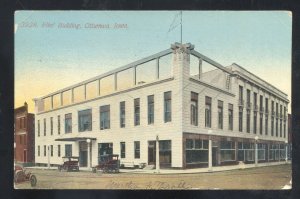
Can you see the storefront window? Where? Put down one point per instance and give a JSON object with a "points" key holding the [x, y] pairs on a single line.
{"points": [[196, 151], [227, 150]]}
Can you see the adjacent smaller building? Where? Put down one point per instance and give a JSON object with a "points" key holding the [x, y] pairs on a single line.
{"points": [[24, 135]]}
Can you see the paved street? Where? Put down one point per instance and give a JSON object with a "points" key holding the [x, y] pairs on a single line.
{"points": [[270, 177]]}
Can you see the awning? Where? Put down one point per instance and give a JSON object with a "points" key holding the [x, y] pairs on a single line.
{"points": [[74, 139]]}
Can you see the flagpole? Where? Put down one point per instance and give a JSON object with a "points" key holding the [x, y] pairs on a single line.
{"points": [[181, 26]]}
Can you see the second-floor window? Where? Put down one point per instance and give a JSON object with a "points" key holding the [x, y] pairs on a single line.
{"points": [[241, 94], [58, 124], [137, 112], [105, 117], [220, 114], [39, 128], [39, 151], [45, 127], [122, 114], [51, 125], [150, 109], [194, 109], [240, 119], [45, 150], [68, 123], [168, 106], [85, 120], [230, 117], [207, 111]]}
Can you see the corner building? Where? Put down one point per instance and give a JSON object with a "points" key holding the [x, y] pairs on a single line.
{"points": [[202, 113]]}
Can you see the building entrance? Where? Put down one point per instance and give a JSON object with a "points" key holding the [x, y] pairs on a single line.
{"points": [[83, 149], [214, 156], [151, 152]]}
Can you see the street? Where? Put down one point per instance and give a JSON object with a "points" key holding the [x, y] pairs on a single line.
{"points": [[269, 177]]}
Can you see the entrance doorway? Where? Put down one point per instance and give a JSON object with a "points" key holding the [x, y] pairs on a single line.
{"points": [[151, 152], [214, 156], [25, 156], [83, 149]]}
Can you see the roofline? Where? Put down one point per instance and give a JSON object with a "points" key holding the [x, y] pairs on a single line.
{"points": [[117, 70], [261, 80]]}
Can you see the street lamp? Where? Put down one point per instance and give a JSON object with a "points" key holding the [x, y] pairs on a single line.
{"points": [[256, 150], [88, 141]]}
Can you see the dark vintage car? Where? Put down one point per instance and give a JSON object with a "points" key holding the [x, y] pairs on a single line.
{"points": [[70, 163], [109, 163], [21, 175]]}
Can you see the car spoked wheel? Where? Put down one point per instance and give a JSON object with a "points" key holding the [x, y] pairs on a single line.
{"points": [[33, 181]]}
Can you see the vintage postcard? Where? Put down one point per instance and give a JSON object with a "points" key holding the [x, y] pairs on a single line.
{"points": [[152, 100]]}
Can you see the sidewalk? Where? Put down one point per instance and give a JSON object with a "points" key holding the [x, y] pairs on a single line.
{"points": [[180, 171]]}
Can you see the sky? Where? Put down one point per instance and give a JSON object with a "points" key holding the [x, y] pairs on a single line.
{"points": [[51, 57]]}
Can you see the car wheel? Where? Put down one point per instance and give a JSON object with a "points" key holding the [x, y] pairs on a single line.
{"points": [[33, 180]]}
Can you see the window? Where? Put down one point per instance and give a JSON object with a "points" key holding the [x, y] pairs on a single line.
{"points": [[25, 139], [196, 151], [45, 150], [220, 114], [261, 123], [167, 108], [137, 111], [284, 129], [85, 120], [39, 128], [58, 124], [240, 119], [267, 105], [207, 111], [51, 150], [21, 139], [248, 98], [194, 109], [68, 123], [68, 150], [272, 126], [261, 151], [165, 151], [51, 125], [105, 117], [150, 109], [266, 124], [58, 150], [122, 147], [248, 121], [246, 151], [39, 151], [105, 148], [227, 151], [254, 122], [255, 101], [261, 103], [122, 114], [240, 94], [230, 117], [136, 149], [44, 126]]}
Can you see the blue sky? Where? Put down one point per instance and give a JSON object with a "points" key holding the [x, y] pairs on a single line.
{"points": [[48, 59]]}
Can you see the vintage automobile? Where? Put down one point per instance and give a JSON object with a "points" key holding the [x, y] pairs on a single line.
{"points": [[21, 175], [109, 163], [70, 163]]}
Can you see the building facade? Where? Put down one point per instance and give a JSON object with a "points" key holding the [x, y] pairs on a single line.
{"points": [[201, 113], [24, 135]]}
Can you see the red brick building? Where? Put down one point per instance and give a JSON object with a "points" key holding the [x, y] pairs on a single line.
{"points": [[24, 135]]}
